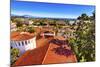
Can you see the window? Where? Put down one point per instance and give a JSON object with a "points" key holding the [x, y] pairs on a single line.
{"points": [[16, 44], [26, 42], [22, 43], [19, 43]]}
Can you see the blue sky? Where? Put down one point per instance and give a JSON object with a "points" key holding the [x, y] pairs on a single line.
{"points": [[50, 9]]}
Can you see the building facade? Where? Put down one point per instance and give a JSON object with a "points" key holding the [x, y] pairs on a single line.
{"points": [[13, 27], [23, 42]]}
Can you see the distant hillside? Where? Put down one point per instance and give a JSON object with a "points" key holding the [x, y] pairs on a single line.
{"points": [[28, 16]]}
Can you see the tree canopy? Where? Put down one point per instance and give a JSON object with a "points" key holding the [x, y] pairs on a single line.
{"points": [[84, 42]]}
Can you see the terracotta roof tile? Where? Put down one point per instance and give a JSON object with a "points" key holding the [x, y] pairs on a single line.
{"points": [[51, 57], [18, 36], [35, 56], [44, 55]]}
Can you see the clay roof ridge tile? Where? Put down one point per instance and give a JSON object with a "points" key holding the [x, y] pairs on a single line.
{"points": [[46, 53]]}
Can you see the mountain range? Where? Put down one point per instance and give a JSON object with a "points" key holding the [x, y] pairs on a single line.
{"points": [[29, 16]]}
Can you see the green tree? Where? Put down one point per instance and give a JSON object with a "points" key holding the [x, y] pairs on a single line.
{"points": [[30, 29], [93, 16], [19, 24], [84, 42], [83, 17], [14, 54]]}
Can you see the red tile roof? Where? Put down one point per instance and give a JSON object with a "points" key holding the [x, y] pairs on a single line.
{"points": [[18, 36], [51, 57], [44, 55], [35, 56]]}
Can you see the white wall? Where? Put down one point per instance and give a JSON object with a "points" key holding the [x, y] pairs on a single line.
{"points": [[31, 44]]}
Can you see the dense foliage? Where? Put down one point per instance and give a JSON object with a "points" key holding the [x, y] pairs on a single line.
{"points": [[84, 42], [30, 30], [83, 17], [14, 55]]}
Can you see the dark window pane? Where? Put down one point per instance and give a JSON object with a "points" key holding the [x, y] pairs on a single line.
{"points": [[22, 43], [19, 43], [26, 42]]}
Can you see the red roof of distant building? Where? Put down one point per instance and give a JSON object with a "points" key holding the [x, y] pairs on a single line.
{"points": [[18, 36]]}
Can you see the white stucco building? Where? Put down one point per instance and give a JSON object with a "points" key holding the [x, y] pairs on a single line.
{"points": [[47, 33], [23, 41], [27, 21], [13, 27]]}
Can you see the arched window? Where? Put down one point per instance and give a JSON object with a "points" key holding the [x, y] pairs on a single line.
{"points": [[15, 44], [22, 43], [19, 43], [26, 42]]}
